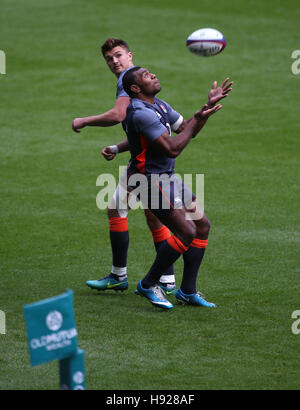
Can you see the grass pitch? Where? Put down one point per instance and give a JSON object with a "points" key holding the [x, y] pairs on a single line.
{"points": [[54, 237]]}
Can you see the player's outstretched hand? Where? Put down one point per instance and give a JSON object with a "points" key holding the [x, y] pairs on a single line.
{"points": [[77, 124], [217, 93], [206, 112], [108, 155]]}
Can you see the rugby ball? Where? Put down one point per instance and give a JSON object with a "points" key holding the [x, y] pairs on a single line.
{"points": [[206, 42]]}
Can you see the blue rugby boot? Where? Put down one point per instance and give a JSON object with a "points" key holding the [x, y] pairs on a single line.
{"points": [[108, 283], [169, 289], [155, 295], [192, 299]]}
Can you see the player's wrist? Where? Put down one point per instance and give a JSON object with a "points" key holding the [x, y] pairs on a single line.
{"points": [[210, 104], [84, 122], [199, 117], [114, 149]]}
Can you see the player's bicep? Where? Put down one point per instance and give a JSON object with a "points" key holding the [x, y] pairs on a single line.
{"points": [[120, 107]]}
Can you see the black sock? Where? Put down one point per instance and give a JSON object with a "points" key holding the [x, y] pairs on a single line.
{"points": [[119, 239], [192, 261]]}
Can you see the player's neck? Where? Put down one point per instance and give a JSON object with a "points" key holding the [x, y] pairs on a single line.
{"points": [[118, 75], [147, 98]]}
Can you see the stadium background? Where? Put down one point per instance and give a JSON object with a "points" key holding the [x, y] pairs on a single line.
{"points": [[53, 236]]}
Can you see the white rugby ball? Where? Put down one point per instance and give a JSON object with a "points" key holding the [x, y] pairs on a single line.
{"points": [[206, 42]]}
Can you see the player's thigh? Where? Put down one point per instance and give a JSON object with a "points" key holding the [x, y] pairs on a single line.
{"points": [[118, 206]]}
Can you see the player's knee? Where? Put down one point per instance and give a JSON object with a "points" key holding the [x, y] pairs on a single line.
{"points": [[207, 226], [188, 235], [203, 228], [112, 213]]}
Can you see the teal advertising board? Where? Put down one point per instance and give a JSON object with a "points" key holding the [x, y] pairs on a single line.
{"points": [[51, 328]]}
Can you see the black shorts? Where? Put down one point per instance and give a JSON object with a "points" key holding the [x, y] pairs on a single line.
{"points": [[161, 193]]}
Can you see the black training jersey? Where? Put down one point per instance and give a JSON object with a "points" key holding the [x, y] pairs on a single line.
{"points": [[145, 122]]}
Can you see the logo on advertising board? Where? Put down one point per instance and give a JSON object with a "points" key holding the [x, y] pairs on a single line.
{"points": [[54, 320]]}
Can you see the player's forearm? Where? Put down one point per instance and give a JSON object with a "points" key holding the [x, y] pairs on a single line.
{"points": [[123, 146], [107, 119], [181, 140]]}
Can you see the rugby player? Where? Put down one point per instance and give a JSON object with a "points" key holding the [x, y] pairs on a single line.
{"points": [[148, 126], [119, 59]]}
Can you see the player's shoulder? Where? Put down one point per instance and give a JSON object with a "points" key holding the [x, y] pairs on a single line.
{"points": [[137, 104], [139, 113], [140, 109], [120, 78]]}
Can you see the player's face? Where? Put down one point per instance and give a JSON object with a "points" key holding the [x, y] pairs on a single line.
{"points": [[118, 60], [148, 82]]}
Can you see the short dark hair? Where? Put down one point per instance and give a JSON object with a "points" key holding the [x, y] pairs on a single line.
{"points": [[129, 78], [111, 43]]}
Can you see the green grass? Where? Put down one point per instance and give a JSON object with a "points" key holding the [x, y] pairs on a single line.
{"points": [[53, 237]]}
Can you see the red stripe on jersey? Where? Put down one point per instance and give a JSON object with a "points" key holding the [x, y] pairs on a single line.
{"points": [[141, 158]]}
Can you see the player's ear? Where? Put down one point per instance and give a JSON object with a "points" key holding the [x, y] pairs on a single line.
{"points": [[135, 88]]}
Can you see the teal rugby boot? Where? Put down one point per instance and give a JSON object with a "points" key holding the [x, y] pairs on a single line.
{"points": [[168, 288], [192, 299], [108, 283]]}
